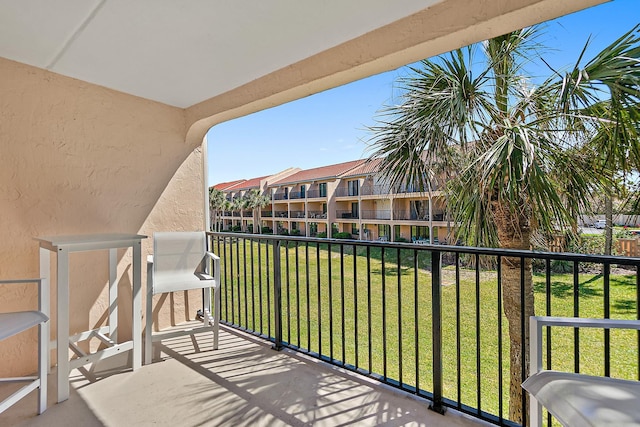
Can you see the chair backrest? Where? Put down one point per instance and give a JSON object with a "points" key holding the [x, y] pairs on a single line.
{"points": [[177, 256]]}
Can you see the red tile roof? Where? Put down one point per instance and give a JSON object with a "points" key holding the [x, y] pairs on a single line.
{"points": [[248, 184], [316, 174], [226, 185], [367, 168]]}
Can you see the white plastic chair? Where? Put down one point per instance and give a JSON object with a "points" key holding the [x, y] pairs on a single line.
{"points": [[578, 399], [180, 262], [16, 322]]}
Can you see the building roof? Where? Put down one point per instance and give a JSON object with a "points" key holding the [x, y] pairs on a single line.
{"points": [[320, 173], [223, 186], [366, 168], [248, 184]]}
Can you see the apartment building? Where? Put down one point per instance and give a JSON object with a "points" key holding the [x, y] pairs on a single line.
{"points": [[349, 197]]}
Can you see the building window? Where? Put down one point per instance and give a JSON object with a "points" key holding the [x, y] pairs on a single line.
{"points": [[322, 187], [286, 192], [354, 229], [324, 208], [353, 187], [354, 210], [303, 190], [294, 225], [384, 230]]}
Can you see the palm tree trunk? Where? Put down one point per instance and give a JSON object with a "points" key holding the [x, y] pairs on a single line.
{"points": [[514, 233], [608, 229]]}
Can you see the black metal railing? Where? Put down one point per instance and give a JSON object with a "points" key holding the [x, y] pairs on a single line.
{"points": [[346, 214], [316, 215], [266, 214], [374, 190], [296, 214], [346, 192], [383, 214], [296, 195], [406, 215], [313, 194], [427, 319]]}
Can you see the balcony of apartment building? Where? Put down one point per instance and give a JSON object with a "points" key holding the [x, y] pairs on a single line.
{"points": [[140, 142], [378, 214], [348, 189], [412, 215], [369, 189], [316, 214], [266, 214], [297, 214], [317, 191]]}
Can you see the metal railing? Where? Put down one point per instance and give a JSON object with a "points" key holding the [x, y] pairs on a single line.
{"points": [[296, 195], [383, 214], [346, 214], [312, 194], [406, 215], [346, 192], [427, 319]]}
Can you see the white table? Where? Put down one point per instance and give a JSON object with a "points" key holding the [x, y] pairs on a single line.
{"points": [[63, 246]]}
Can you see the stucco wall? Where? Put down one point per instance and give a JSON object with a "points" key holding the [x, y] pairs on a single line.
{"points": [[78, 159]]}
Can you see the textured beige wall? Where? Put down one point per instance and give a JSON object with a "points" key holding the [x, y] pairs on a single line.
{"points": [[76, 159]]}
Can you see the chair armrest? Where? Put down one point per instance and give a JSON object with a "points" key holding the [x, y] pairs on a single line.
{"points": [[44, 300], [537, 322], [577, 322], [149, 259], [212, 256]]}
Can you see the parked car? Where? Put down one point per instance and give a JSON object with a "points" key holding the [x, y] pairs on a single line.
{"points": [[601, 224]]}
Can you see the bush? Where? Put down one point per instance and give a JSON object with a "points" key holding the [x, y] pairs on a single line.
{"points": [[294, 233], [236, 228], [284, 232], [401, 240], [322, 234], [342, 235], [266, 230]]}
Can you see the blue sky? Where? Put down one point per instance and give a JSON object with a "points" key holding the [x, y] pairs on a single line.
{"points": [[330, 127]]}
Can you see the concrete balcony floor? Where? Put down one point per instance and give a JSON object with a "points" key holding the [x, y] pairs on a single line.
{"points": [[244, 383]]}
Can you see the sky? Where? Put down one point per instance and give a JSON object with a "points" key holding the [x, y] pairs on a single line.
{"points": [[332, 126]]}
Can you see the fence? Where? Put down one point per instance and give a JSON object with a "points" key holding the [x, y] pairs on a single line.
{"points": [[426, 319]]}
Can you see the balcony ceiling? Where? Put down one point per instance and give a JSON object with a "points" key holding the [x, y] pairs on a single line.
{"points": [[183, 52]]}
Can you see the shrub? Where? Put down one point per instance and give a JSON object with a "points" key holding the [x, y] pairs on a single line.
{"points": [[294, 232], [322, 234], [401, 240], [236, 228], [266, 230], [343, 235]]}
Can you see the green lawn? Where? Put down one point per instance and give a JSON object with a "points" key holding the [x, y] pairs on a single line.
{"points": [[388, 310]]}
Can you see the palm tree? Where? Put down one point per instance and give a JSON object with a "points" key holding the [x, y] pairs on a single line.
{"points": [[510, 144], [255, 200], [216, 205]]}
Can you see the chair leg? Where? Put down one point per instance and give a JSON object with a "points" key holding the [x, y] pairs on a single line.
{"points": [[43, 352], [148, 320]]}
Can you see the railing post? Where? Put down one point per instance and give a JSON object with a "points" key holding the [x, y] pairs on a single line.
{"points": [[436, 330], [277, 296]]}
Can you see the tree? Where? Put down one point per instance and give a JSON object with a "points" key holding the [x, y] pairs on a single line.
{"points": [[255, 200], [514, 148], [217, 201]]}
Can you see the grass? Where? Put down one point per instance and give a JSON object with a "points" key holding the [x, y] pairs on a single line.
{"points": [[381, 322]]}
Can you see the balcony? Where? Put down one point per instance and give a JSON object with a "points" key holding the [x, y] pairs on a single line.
{"points": [[296, 195], [381, 214], [266, 214], [314, 194], [374, 190], [346, 215], [346, 192], [244, 382], [280, 196], [316, 215], [296, 214], [405, 215], [380, 310]]}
